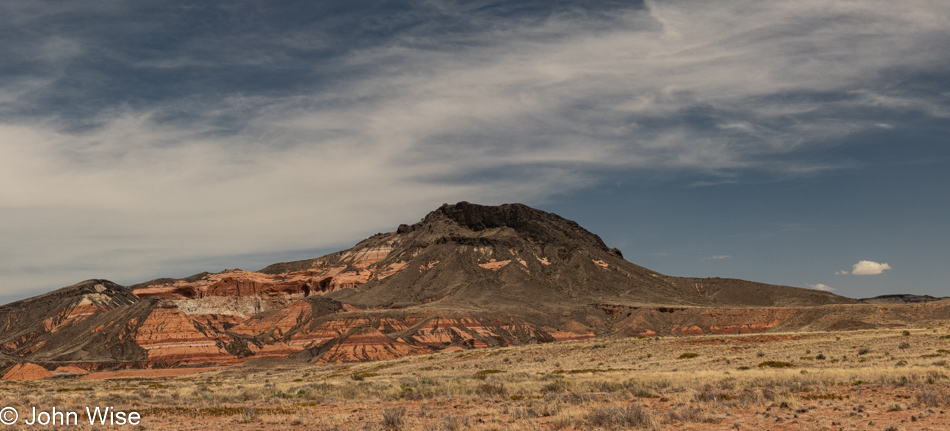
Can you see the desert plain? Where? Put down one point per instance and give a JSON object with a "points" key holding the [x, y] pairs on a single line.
{"points": [[878, 379]]}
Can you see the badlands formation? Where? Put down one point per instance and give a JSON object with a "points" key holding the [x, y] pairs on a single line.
{"points": [[464, 277]]}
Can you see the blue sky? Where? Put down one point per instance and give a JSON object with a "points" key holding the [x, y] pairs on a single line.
{"points": [[782, 142]]}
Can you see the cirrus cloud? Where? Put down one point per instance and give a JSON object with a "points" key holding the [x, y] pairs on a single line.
{"points": [[125, 148]]}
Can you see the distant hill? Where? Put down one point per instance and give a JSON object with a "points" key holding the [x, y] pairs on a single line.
{"points": [[903, 298]]}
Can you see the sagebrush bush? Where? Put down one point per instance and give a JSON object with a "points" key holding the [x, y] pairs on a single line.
{"points": [[394, 418]]}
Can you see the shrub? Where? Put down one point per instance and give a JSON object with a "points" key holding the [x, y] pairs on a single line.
{"points": [[932, 398], [638, 390], [248, 414], [560, 423], [776, 364], [685, 414], [359, 376], [483, 374], [708, 394], [632, 415], [827, 396], [394, 418], [452, 423], [556, 386], [491, 389], [688, 355]]}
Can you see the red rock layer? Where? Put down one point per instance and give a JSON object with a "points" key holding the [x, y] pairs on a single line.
{"points": [[27, 371], [360, 338], [85, 308], [440, 332], [368, 344], [170, 336], [339, 271], [71, 369], [231, 283], [271, 329]]}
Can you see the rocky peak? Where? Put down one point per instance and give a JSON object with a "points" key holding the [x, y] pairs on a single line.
{"points": [[100, 292], [531, 224]]}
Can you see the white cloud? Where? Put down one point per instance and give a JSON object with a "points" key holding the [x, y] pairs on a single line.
{"points": [[842, 272], [718, 257], [820, 286], [867, 267]]}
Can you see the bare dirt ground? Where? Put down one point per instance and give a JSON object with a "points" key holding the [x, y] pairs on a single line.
{"points": [[885, 379]]}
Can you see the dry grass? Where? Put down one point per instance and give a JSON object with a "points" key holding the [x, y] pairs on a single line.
{"points": [[622, 384]]}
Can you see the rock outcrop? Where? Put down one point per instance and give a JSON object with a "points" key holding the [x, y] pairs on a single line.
{"points": [[27, 371]]}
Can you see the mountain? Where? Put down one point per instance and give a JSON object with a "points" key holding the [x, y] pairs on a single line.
{"points": [[465, 276], [467, 256], [902, 298], [515, 257]]}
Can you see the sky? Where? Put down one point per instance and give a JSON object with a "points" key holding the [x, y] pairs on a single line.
{"points": [[804, 143]]}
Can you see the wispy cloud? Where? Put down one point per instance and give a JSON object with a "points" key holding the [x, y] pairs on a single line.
{"points": [[260, 130], [718, 257]]}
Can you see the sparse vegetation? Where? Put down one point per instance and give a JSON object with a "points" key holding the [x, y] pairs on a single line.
{"points": [[483, 374], [632, 415], [394, 418], [362, 375], [776, 364], [576, 387]]}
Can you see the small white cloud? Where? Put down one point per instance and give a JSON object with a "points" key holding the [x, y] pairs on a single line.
{"points": [[820, 286], [842, 272], [867, 267], [718, 257]]}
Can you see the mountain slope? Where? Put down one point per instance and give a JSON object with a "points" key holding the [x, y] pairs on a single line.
{"points": [[483, 257], [465, 276]]}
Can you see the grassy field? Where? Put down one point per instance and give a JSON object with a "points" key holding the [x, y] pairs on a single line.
{"points": [[889, 379]]}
